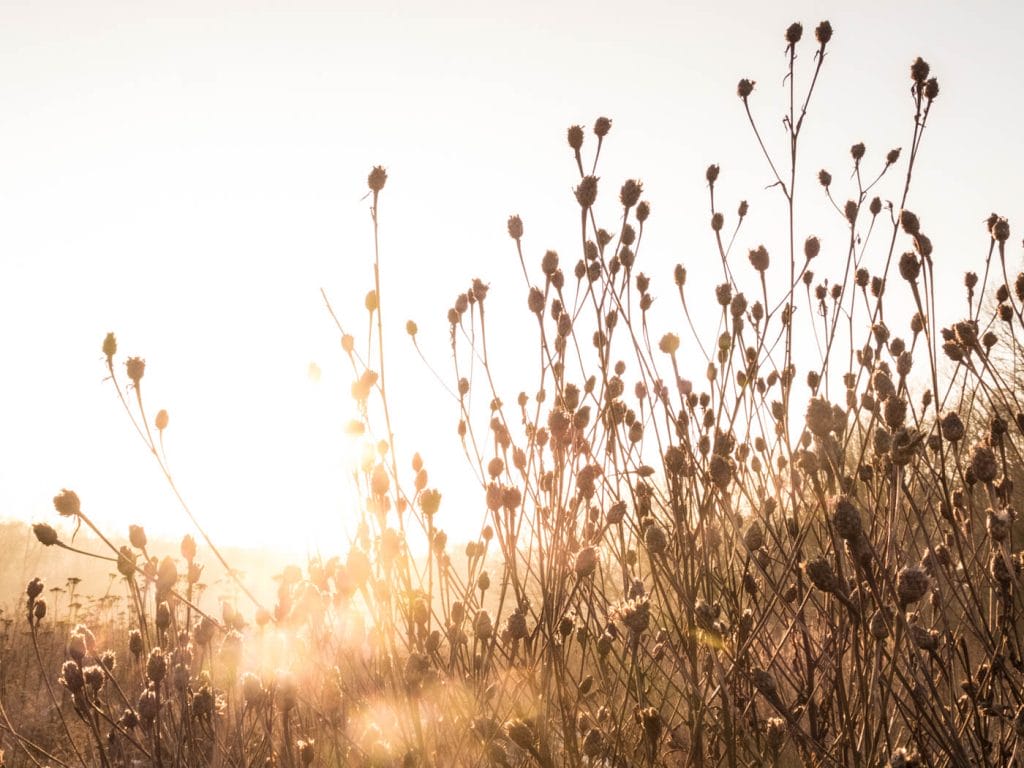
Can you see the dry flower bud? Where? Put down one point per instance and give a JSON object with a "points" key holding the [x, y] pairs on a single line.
{"points": [[812, 247], [850, 211], [759, 258], [377, 178], [823, 33], [67, 503], [586, 192], [575, 136], [919, 70], [515, 227], [910, 267], [45, 533], [911, 585], [586, 562], [110, 347], [909, 221], [629, 195]]}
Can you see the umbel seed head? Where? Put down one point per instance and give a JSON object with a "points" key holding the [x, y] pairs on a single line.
{"points": [[794, 32], [745, 88], [601, 127]]}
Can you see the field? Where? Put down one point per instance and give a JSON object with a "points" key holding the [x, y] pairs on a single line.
{"points": [[806, 553]]}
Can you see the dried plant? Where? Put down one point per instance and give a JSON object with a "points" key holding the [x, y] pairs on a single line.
{"points": [[810, 556]]}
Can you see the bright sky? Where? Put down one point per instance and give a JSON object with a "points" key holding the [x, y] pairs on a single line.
{"points": [[189, 175]]}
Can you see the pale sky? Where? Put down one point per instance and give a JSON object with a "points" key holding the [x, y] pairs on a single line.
{"points": [[189, 175]]}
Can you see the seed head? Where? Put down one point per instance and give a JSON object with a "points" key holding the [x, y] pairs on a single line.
{"points": [[919, 71], [67, 503], [717, 222], [156, 666], [794, 32], [515, 227], [377, 179], [586, 562], [711, 174], [983, 463], [753, 537], [643, 211], [45, 533], [137, 536], [823, 33], [136, 368], [601, 127], [821, 575], [850, 210], [1001, 230], [923, 244], [520, 733], [911, 585], [812, 247], [655, 539], [931, 89], [952, 426], [846, 519], [629, 195], [910, 267], [483, 627], [586, 192], [720, 470], [162, 420], [759, 258], [110, 347], [857, 152], [819, 416], [575, 136], [745, 88], [998, 524], [71, 677]]}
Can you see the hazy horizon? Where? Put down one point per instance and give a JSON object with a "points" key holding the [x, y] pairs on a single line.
{"points": [[191, 179]]}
